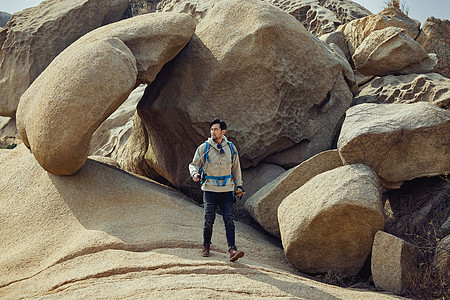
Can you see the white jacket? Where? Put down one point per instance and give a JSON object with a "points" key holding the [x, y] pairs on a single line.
{"points": [[219, 165]]}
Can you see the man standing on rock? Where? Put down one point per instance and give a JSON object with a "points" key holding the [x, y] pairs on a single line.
{"points": [[216, 164]]}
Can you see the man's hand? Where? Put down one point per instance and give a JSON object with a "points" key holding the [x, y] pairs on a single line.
{"points": [[196, 177], [240, 191]]}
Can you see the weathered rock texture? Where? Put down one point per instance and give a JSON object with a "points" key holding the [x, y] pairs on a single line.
{"points": [[257, 68], [4, 18], [8, 133], [357, 30], [196, 8], [116, 129], [321, 17], [409, 88], [103, 233], [392, 51], [329, 223], [435, 38], [35, 36], [393, 262], [57, 115], [399, 141], [263, 205]]}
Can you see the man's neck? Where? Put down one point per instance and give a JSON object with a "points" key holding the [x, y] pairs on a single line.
{"points": [[219, 141]]}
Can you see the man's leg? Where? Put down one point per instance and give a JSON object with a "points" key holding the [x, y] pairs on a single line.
{"points": [[226, 206], [210, 204]]}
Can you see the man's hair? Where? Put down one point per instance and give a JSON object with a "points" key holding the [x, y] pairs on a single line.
{"points": [[223, 125]]}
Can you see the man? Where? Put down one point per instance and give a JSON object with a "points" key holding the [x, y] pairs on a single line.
{"points": [[216, 162]]}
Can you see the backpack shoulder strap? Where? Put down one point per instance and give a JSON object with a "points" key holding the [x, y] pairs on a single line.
{"points": [[206, 153], [233, 151]]}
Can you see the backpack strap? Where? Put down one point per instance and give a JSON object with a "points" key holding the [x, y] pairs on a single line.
{"points": [[206, 158], [233, 151]]}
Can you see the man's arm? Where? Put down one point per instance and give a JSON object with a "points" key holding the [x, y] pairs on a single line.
{"points": [[197, 162]]}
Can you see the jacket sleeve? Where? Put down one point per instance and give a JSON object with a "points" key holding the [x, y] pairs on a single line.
{"points": [[236, 170], [197, 161]]}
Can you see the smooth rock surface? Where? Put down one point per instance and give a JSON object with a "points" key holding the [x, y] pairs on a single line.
{"points": [[393, 262], [435, 38], [259, 71], [263, 205], [56, 119], [103, 233], [431, 87], [138, 48], [398, 141], [35, 36], [392, 51], [329, 223]]}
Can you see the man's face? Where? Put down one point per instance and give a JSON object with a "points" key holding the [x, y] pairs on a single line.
{"points": [[216, 132]]}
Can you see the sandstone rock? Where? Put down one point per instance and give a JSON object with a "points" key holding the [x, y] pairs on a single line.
{"points": [[9, 137], [56, 119], [392, 51], [398, 141], [409, 88], [104, 159], [4, 18], [329, 223], [98, 66], [263, 205], [321, 17], [116, 129], [259, 71], [435, 38], [103, 233], [357, 30], [255, 178], [35, 36], [196, 8], [394, 261], [338, 39], [441, 259]]}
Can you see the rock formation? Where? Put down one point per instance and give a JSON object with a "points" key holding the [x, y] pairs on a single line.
{"points": [[394, 262], [435, 38], [398, 141], [357, 30], [409, 88], [4, 18], [103, 233], [391, 51], [329, 223], [35, 36], [260, 72], [104, 65], [263, 205]]}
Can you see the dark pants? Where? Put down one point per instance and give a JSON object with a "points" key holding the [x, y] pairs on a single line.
{"points": [[225, 201]]}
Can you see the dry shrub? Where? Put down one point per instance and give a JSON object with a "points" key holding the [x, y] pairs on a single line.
{"points": [[415, 213], [398, 4]]}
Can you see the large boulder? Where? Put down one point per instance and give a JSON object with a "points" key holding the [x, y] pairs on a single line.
{"points": [[392, 51], [196, 8], [103, 233], [57, 116], [435, 38], [409, 88], [358, 30], [399, 141], [393, 263], [329, 223], [321, 17], [35, 36], [257, 68], [263, 205], [116, 129]]}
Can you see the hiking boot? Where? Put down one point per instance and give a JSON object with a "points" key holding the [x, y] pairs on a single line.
{"points": [[205, 250], [235, 254]]}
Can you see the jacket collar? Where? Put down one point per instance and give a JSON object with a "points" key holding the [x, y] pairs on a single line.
{"points": [[214, 144]]}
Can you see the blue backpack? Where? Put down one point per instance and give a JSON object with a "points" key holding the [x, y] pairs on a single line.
{"points": [[217, 178]]}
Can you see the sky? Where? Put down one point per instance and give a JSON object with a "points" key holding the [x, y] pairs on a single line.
{"points": [[418, 9]]}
